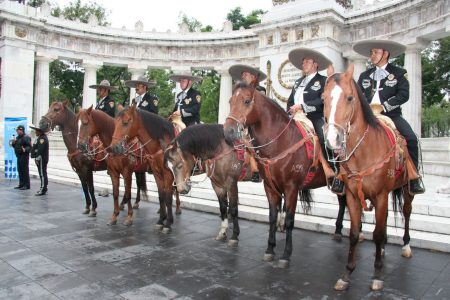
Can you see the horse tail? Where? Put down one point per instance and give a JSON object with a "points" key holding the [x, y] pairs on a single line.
{"points": [[397, 200], [305, 200]]}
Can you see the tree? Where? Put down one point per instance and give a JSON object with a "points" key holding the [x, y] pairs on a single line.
{"points": [[66, 81], [163, 90], [116, 77], [238, 20], [193, 24], [75, 10], [209, 88], [35, 3]]}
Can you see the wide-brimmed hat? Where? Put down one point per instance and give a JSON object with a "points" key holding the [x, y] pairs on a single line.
{"points": [[185, 75], [297, 56], [141, 80], [34, 127], [364, 47], [236, 72], [103, 84]]}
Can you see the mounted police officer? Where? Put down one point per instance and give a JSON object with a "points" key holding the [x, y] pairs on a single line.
{"points": [[252, 76], [188, 100], [106, 103], [388, 85], [39, 152], [144, 100], [22, 147], [306, 95]]}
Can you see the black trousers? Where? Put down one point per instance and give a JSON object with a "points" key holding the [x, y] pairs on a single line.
{"points": [[23, 161], [411, 139], [318, 128], [42, 168]]}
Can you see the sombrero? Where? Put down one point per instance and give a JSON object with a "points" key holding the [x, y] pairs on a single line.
{"points": [[297, 56], [364, 47], [236, 71], [32, 126], [142, 80], [103, 84], [185, 75]]}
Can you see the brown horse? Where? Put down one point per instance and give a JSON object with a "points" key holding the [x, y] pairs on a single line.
{"points": [[224, 165], [372, 165], [283, 155], [155, 134], [60, 115]]}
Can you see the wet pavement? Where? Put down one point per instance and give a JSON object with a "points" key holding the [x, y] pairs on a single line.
{"points": [[49, 250]]}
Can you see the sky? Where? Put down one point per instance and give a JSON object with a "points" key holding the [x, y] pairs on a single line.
{"points": [[164, 15]]}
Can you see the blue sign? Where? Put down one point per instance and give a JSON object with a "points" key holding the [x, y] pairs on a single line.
{"points": [[10, 156]]}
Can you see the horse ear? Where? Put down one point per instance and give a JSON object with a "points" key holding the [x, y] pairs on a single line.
{"points": [[66, 103], [132, 108], [350, 70], [330, 70]]}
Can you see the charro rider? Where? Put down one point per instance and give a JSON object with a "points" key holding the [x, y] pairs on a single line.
{"points": [[252, 76], [106, 103], [144, 100], [188, 100], [306, 95], [387, 85]]}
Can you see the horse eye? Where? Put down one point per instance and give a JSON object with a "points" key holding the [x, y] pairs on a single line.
{"points": [[247, 101], [350, 98]]}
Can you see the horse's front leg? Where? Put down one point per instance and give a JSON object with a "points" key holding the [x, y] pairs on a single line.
{"points": [[115, 180], [162, 208], [407, 208], [177, 201], [127, 178], [168, 198], [223, 207], [354, 209], [233, 195], [274, 199]]}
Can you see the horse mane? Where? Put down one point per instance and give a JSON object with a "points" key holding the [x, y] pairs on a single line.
{"points": [[367, 111], [201, 140], [103, 121], [156, 126]]}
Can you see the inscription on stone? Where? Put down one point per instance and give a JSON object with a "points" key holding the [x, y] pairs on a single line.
{"points": [[288, 74]]}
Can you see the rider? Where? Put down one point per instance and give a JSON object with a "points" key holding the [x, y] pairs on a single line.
{"points": [[306, 95], [388, 85], [144, 100], [251, 76], [188, 100], [106, 103]]}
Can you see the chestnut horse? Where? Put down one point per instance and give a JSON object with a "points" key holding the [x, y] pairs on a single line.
{"points": [[60, 115], [283, 158], [224, 165], [155, 134], [373, 163]]}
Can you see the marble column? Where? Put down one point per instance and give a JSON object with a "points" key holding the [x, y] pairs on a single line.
{"points": [[41, 86], [412, 110], [90, 78], [360, 66], [135, 71], [225, 94]]}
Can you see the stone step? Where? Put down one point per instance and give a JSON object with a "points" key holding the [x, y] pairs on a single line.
{"points": [[435, 154], [438, 168], [442, 143]]}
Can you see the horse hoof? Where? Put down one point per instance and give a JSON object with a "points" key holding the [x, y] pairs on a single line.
{"points": [[166, 230], [406, 251], [233, 243], [112, 222], [361, 237], [341, 285], [92, 214], [337, 237], [136, 206], [128, 222], [268, 257], [283, 264], [377, 285], [221, 237], [178, 211], [158, 226], [86, 211], [122, 207]]}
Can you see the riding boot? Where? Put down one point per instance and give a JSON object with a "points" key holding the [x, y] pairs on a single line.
{"points": [[41, 192], [416, 186], [336, 186]]}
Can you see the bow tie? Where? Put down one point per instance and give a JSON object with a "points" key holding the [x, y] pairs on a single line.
{"points": [[305, 81], [182, 95], [380, 74]]}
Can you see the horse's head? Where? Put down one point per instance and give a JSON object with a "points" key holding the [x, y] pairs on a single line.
{"points": [[242, 111], [86, 128], [339, 107], [181, 165], [126, 128], [56, 116]]}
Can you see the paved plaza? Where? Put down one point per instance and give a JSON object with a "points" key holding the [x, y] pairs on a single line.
{"points": [[49, 250]]}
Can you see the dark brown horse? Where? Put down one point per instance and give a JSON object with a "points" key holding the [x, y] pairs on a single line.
{"points": [[60, 115], [155, 134], [283, 157], [373, 163], [225, 166]]}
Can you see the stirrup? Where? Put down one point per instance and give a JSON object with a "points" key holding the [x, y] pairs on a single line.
{"points": [[336, 186]]}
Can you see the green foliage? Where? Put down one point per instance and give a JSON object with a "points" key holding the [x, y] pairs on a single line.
{"points": [[193, 24], [436, 120], [35, 3], [66, 81], [236, 17], [163, 90], [75, 10], [209, 88], [116, 77]]}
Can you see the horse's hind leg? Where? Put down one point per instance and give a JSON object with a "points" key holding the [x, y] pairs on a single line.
{"points": [[233, 211], [274, 202], [140, 178], [337, 236], [223, 207], [127, 178], [379, 237], [407, 208], [115, 179], [90, 182], [87, 197]]}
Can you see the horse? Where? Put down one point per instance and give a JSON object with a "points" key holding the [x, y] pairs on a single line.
{"points": [[373, 163], [60, 115], [224, 165], [155, 134], [286, 158]]}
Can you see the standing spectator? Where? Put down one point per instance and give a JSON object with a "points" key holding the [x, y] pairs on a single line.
{"points": [[22, 147], [39, 152]]}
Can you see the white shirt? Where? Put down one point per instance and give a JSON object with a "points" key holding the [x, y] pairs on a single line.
{"points": [[376, 96], [181, 97], [298, 97]]}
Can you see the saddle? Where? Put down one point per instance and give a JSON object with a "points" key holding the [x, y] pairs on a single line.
{"points": [[177, 123]]}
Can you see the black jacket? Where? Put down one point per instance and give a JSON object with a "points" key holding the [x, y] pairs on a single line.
{"points": [[40, 148], [108, 106], [22, 141], [394, 89], [189, 107], [312, 96], [149, 103]]}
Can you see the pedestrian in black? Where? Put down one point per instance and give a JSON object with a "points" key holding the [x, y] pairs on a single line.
{"points": [[22, 147], [39, 152]]}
